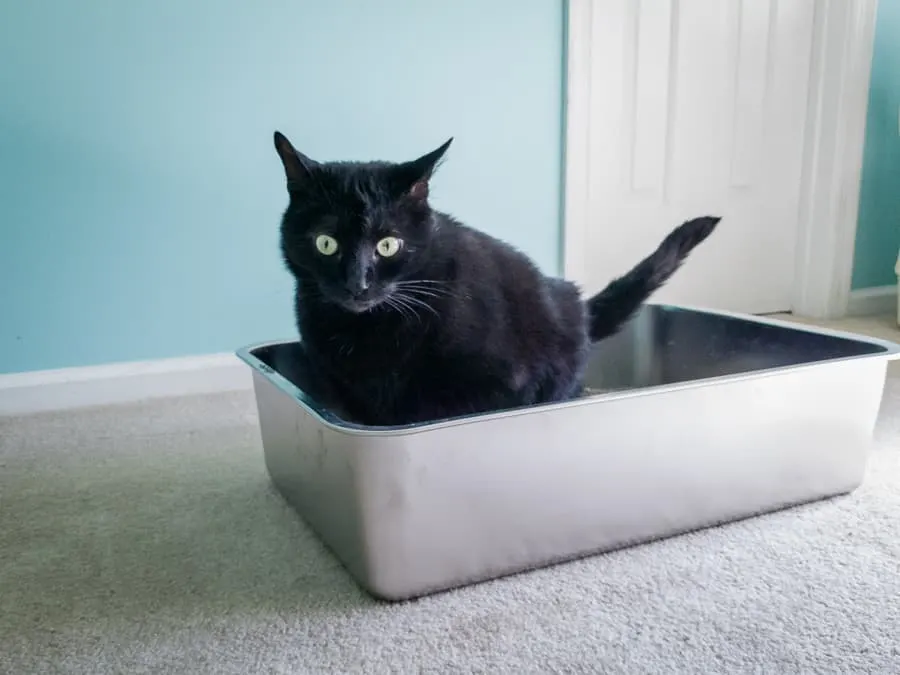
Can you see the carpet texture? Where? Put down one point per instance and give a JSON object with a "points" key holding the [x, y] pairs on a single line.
{"points": [[147, 539]]}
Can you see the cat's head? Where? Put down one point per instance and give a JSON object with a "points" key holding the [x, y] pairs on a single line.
{"points": [[355, 228]]}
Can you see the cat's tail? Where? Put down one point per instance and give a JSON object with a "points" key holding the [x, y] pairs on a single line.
{"points": [[614, 305]]}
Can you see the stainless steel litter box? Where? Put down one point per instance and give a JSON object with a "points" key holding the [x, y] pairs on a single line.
{"points": [[703, 417]]}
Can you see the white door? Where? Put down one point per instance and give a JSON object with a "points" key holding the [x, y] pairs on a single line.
{"points": [[698, 107]]}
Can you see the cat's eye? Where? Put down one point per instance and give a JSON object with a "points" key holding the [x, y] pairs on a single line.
{"points": [[326, 245], [388, 246]]}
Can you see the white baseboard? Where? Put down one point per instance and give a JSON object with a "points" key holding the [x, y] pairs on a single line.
{"points": [[879, 300], [43, 390]]}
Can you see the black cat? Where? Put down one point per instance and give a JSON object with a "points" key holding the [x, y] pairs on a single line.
{"points": [[408, 316]]}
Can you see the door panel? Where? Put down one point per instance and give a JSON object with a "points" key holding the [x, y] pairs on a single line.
{"points": [[698, 107]]}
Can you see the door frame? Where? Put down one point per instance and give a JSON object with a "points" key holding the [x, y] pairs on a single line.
{"points": [[835, 123]]}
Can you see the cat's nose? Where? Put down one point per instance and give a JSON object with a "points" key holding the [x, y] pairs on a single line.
{"points": [[357, 286], [358, 280]]}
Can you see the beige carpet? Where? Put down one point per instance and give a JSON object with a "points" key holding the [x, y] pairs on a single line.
{"points": [[146, 539]]}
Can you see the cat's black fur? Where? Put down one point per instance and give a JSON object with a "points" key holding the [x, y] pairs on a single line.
{"points": [[456, 322]]}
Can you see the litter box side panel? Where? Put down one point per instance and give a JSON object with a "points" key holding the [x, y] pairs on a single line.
{"points": [[457, 504], [310, 468]]}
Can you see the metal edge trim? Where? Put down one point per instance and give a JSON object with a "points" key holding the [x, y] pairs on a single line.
{"points": [[891, 352]]}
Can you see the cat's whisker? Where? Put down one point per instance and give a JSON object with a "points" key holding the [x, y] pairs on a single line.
{"points": [[410, 292], [418, 302], [410, 304], [431, 291], [424, 285], [427, 294], [399, 307], [477, 283], [436, 289], [387, 304]]}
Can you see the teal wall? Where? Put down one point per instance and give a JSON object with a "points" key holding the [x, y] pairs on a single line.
{"points": [[878, 232], [139, 189]]}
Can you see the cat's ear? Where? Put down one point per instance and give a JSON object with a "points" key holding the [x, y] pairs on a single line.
{"points": [[417, 174], [297, 166]]}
